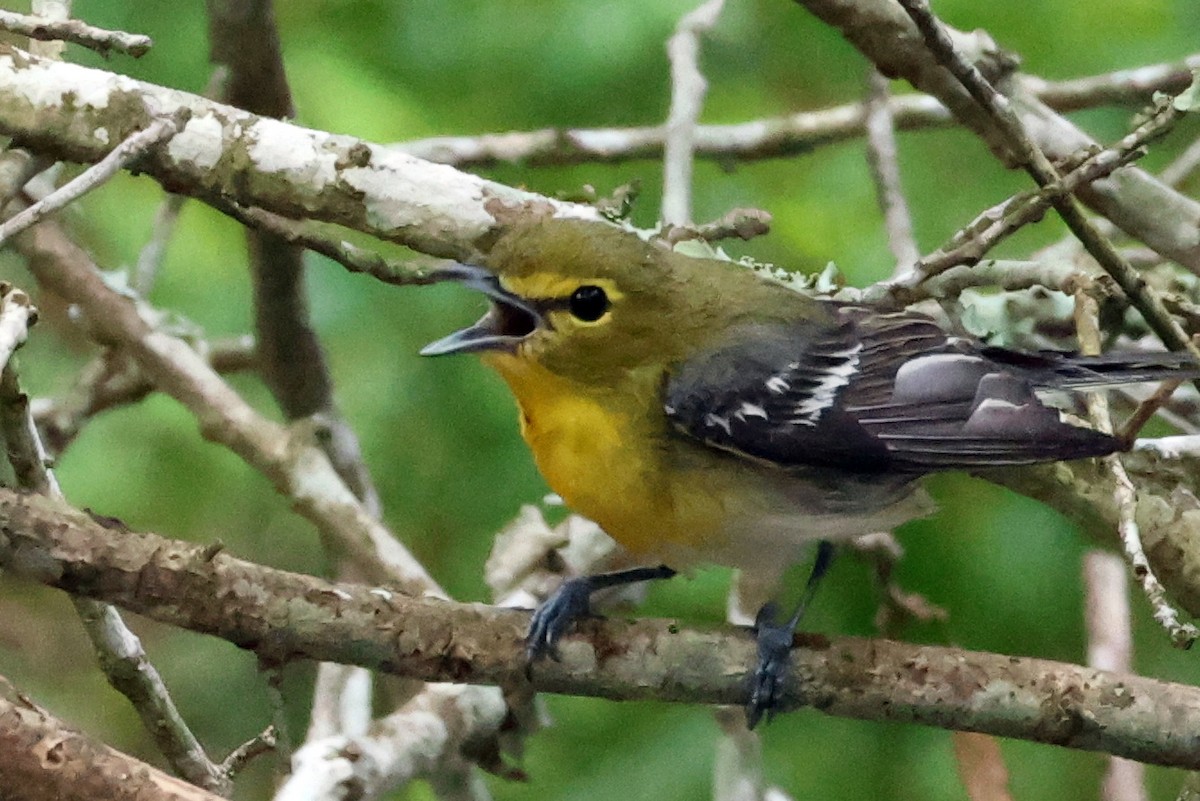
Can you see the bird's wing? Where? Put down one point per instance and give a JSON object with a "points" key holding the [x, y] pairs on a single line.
{"points": [[867, 392]]}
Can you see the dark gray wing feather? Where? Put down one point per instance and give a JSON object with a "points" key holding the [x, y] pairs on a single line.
{"points": [[867, 392]]}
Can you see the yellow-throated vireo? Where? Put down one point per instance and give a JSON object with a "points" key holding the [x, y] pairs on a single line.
{"points": [[701, 413]]}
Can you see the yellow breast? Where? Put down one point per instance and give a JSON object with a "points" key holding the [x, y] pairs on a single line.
{"points": [[602, 461]]}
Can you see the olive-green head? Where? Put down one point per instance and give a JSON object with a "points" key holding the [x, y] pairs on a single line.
{"points": [[590, 302]]}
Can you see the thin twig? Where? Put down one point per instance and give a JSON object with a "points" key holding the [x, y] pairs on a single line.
{"points": [[688, 88], [1182, 634], [897, 606], [1106, 606], [150, 258], [123, 660], [112, 380], [398, 272], [1043, 172], [145, 271], [341, 705], [1008, 274], [238, 758], [981, 767], [996, 224], [885, 170], [738, 773], [744, 224], [1184, 165], [76, 32], [777, 137], [1147, 409], [1124, 87], [1125, 494], [99, 173]]}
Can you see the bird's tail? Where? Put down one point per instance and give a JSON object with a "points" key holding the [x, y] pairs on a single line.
{"points": [[1057, 370]]}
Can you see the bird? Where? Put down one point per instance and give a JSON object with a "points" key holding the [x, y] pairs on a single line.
{"points": [[703, 413]]}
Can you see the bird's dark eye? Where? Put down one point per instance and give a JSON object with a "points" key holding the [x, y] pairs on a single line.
{"points": [[588, 303]]}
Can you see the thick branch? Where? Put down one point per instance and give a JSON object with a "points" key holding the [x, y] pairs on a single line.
{"points": [[284, 616], [44, 759], [76, 113]]}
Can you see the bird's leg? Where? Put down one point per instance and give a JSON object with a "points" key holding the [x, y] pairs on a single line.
{"points": [[775, 643], [571, 601]]}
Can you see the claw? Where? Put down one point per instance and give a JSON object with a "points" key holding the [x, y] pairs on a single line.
{"points": [[551, 620], [570, 602], [775, 644], [774, 661]]}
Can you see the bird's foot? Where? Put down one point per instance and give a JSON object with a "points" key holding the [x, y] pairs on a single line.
{"points": [[568, 603], [775, 643], [774, 662]]}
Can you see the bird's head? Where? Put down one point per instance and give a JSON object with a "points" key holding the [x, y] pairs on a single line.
{"points": [[590, 302]]}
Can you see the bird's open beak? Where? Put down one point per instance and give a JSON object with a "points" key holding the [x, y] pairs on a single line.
{"points": [[509, 320]]}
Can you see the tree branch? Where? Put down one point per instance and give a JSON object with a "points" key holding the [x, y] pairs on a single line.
{"points": [[283, 616], [1011, 132], [76, 32], [45, 759], [1136, 202], [688, 88], [777, 137], [118, 650], [112, 380], [884, 162], [285, 455], [133, 147], [75, 113]]}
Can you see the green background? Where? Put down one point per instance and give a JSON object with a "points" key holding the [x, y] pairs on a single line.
{"points": [[440, 435]]}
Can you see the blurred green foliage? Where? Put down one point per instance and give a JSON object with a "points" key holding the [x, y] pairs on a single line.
{"points": [[440, 436]]}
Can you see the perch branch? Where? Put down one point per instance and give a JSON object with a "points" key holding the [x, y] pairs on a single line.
{"points": [[283, 616]]}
